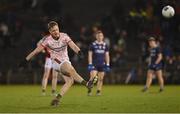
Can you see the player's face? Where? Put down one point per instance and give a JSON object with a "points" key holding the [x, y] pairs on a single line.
{"points": [[152, 43], [54, 31], [99, 36]]}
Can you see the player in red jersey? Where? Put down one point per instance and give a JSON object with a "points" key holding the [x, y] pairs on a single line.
{"points": [[58, 42]]}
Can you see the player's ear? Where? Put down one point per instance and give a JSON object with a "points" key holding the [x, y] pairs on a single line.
{"points": [[49, 31]]}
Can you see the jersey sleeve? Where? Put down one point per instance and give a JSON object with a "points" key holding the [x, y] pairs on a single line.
{"points": [[159, 51], [40, 41], [106, 48], [91, 47], [67, 39], [44, 42]]}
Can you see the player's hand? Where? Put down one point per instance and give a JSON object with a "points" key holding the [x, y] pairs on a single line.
{"points": [[154, 66], [23, 63], [81, 55], [90, 67], [107, 68]]}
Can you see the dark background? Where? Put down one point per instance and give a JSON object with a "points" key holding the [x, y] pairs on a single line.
{"points": [[125, 23]]}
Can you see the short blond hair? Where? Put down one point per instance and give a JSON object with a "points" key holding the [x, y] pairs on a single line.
{"points": [[52, 24]]}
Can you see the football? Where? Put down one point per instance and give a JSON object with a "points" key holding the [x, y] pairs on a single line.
{"points": [[168, 11]]}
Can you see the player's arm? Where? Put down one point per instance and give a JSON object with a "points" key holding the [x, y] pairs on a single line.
{"points": [[159, 58], [90, 54], [40, 43], [38, 49], [107, 58], [74, 47]]}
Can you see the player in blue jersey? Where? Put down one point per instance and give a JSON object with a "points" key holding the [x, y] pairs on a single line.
{"points": [[99, 61], [155, 64]]}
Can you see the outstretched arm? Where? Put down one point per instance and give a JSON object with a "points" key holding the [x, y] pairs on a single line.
{"points": [[38, 49], [74, 47]]}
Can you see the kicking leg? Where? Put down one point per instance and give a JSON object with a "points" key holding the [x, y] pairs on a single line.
{"points": [[69, 70]]}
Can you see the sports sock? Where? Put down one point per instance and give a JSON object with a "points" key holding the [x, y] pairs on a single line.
{"points": [[84, 82], [58, 96], [161, 87], [98, 91], [43, 90]]}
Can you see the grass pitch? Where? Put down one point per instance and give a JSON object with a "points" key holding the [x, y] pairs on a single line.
{"points": [[28, 99]]}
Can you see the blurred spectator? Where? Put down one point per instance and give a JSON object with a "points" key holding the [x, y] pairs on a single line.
{"points": [[122, 41], [170, 67], [176, 78], [5, 35], [131, 77], [144, 51], [118, 57]]}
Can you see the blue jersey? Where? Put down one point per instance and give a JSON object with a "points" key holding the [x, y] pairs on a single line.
{"points": [[154, 52], [98, 50]]}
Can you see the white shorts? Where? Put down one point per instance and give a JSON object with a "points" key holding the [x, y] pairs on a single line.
{"points": [[56, 66], [48, 63]]}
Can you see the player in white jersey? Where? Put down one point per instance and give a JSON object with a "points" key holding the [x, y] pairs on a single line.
{"points": [[48, 71], [57, 44]]}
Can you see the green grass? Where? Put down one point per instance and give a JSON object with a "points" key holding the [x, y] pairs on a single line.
{"points": [[119, 98]]}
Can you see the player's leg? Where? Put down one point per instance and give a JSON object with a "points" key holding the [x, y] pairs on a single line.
{"points": [[54, 81], [160, 79], [148, 80], [100, 82], [68, 69], [68, 83], [93, 74], [47, 72]]}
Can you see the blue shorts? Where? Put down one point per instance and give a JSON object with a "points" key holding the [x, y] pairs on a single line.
{"points": [[156, 67], [99, 68]]}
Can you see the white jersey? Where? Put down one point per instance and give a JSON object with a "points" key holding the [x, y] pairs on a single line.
{"points": [[57, 48]]}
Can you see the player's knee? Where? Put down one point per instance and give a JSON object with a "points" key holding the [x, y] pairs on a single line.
{"points": [[70, 81], [72, 71], [100, 79]]}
